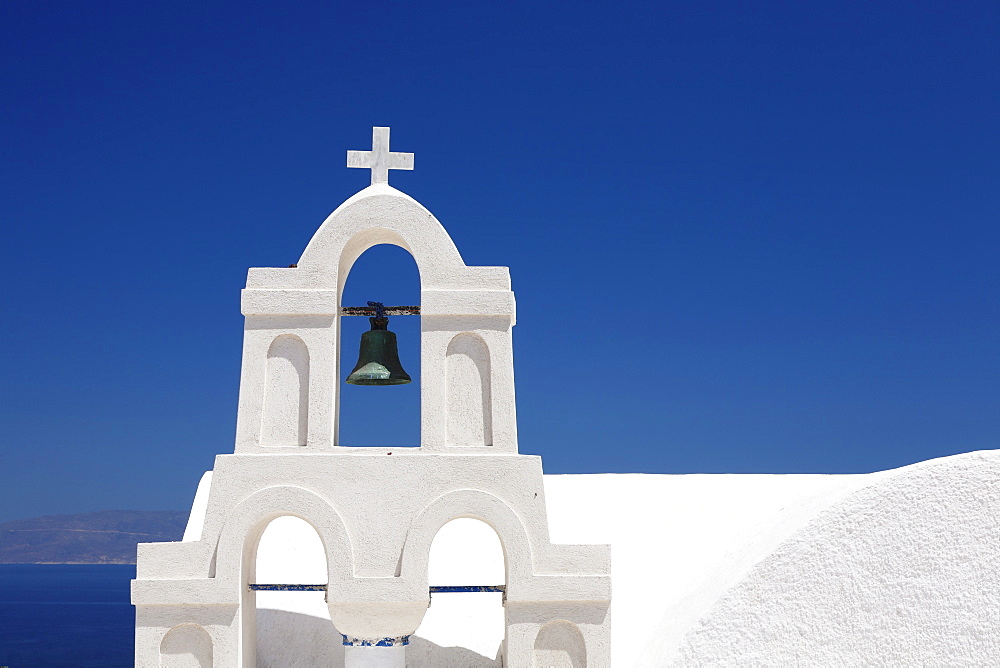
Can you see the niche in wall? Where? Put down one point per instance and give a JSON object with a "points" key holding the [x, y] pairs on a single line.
{"points": [[470, 414], [286, 393], [560, 644], [186, 646]]}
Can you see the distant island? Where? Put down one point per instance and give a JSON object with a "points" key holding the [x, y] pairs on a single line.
{"points": [[105, 537]]}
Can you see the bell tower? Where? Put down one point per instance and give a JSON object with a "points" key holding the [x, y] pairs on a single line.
{"points": [[467, 391], [376, 510]]}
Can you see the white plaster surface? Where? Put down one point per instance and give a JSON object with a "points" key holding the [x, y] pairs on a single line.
{"points": [[375, 657], [467, 373], [899, 567], [186, 646], [903, 572], [302, 305], [286, 407], [199, 507], [887, 568], [367, 518], [377, 548], [680, 541], [294, 628]]}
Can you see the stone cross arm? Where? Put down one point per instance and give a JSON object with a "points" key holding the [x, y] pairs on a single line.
{"points": [[380, 159]]}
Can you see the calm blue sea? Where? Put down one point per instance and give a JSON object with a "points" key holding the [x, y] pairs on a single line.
{"points": [[58, 615]]}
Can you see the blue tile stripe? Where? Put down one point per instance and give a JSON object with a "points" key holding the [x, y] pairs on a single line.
{"points": [[381, 642]]}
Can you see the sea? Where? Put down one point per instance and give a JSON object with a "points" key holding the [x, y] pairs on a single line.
{"points": [[66, 615]]}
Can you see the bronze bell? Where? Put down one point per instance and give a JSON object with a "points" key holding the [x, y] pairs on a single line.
{"points": [[378, 358]]}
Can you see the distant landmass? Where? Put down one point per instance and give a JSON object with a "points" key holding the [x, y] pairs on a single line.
{"points": [[105, 537]]}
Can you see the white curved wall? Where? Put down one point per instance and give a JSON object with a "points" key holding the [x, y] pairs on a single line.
{"points": [[899, 567], [903, 572], [678, 542]]}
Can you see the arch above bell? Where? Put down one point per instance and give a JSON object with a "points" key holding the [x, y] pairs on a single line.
{"points": [[380, 214]]}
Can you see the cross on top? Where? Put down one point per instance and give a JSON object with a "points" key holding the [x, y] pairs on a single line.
{"points": [[380, 159]]}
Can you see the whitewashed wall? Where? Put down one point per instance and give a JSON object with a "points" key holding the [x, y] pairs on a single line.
{"points": [[900, 567], [375, 512]]}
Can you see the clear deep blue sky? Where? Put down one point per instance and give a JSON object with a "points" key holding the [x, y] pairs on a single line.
{"points": [[744, 237]]}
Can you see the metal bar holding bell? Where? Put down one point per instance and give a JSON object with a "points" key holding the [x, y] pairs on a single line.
{"points": [[387, 310]]}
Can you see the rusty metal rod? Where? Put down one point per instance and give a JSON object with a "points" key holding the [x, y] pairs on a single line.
{"points": [[448, 589], [468, 589], [387, 310]]}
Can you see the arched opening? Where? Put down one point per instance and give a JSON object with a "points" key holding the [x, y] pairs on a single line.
{"points": [[387, 415], [293, 628], [462, 629], [186, 646], [560, 644]]}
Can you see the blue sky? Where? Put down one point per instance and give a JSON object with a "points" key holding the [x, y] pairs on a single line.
{"points": [[744, 237]]}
